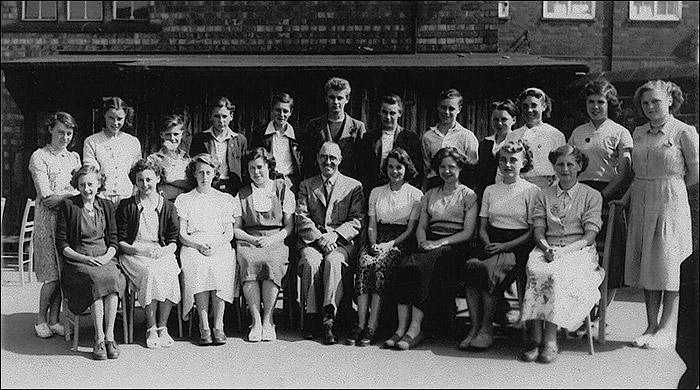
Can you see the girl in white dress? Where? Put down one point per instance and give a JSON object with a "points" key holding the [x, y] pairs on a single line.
{"points": [[208, 260]]}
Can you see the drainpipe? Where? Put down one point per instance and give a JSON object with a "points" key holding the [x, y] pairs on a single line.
{"points": [[415, 9], [609, 38]]}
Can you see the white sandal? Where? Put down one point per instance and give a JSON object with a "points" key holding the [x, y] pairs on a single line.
{"points": [[152, 339], [165, 340]]}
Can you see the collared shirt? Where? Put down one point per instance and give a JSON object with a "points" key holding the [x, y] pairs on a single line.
{"points": [[457, 137], [329, 184], [566, 215], [496, 145], [395, 207], [541, 139], [51, 171], [114, 156], [387, 144], [263, 198], [281, 151], [603, 146], [221, 148], [666, 153]]}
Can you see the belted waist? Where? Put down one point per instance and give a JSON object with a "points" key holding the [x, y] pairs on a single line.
{"points": [[675, 177]]}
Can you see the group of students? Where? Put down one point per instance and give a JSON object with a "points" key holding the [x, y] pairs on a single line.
{"points": [[230, 217]]}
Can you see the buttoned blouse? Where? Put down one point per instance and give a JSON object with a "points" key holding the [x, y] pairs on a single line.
{"points": [[209, 212], [541, 139], [114, 156], [395, 207], [666, 153], [565, 225], [52, 172], [603, 146]]}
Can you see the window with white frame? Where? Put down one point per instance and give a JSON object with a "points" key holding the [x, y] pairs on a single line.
{"points": [[568, 10], [503, 10], [656, 10], [84, 10], [38, 10], [131, 10]]}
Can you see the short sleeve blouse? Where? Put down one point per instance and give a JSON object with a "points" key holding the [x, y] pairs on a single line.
{"points": [[603, 146], [209, 212], [509, 206], [395, 207], [52, 172], [446, 212]]}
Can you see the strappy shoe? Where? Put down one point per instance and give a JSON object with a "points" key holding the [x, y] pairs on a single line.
{"points": [[165, 340], [152, 339]]}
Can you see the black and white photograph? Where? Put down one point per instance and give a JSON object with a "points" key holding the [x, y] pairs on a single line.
{"points": [[350, 194]]}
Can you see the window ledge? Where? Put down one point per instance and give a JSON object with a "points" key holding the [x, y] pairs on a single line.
{"points": [[78, 27], [567, 20]]}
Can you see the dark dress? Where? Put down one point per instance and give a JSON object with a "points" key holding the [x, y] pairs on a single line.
{"points": [[83, 284]]}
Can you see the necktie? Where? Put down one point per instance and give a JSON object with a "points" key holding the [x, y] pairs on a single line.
{"points": [[328, 188]]}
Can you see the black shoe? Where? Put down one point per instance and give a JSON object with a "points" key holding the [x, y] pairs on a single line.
{"points": [[310, 326], [355, 336], [329, 338], [218, 337], [112, 349], [366, 337], [328, 316], [205, 338]]}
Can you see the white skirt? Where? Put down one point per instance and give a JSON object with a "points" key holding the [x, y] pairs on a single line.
{"points": [[207, 273], [564, 291], [154, 279]]}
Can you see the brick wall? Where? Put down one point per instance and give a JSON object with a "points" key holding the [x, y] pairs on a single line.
{"points": [[634, 43]]}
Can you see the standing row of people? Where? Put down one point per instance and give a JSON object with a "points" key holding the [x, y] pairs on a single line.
{"points": [[415, 243]]}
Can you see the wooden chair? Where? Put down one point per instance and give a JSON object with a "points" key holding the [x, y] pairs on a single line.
{"points": [[70, 319], [615, 212], [24, 255]]}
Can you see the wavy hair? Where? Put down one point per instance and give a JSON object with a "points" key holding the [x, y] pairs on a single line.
{"points": [[669, 87], [566, 150], [517, 147], [400, 155], [540, 94], [604, 88], [448, 151], [86, 170]]}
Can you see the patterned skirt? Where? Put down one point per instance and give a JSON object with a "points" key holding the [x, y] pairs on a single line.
{"points": [[46, 260], [374, 270]]}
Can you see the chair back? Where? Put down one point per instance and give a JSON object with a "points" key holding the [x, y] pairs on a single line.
{"points": [[26, 231], [2, 210]]}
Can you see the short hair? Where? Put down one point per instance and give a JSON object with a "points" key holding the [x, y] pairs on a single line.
{"points": [[170, 121], [87, 169], [450, 94], [517, 147], [203, 158], [506, 105], [145, 164], [337, 84], [64, 118], [282, 97], [669, 87], [400, 155], [221, 102], [328, 144], [254, 154], [565, 150], [540, 94], [117, 103], [448, 151], [607, 90], [392, 98]]}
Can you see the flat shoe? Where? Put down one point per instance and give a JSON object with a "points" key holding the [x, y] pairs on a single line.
{"points": [[99, 352], [549, 354], [255, 334], [166, 341], [482, 341], [391, 343], [152, 340], [661, 341], [112, 349], [218, 336], [268, 333], [43, 330], [642, 340], [408, 342], [464, 345], [205, 338], [530, 353], [58, 329]]}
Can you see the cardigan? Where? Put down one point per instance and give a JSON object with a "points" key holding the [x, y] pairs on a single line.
{"points": [[68, 224], [371, 174], [129, 217]]}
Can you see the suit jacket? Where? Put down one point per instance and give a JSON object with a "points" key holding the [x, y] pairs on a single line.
{"points": [[317, 133], [343, 214], [259, 139], [68, 223], [371, 173], [203, 142]]}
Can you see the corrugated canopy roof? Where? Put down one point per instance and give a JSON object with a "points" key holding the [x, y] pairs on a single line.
{"points": [[640, 75], [427, 61]]}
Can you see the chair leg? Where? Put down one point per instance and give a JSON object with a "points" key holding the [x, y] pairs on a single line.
{"points": [[130, 299], [179, 318], [589, 332], [302, 304], [602, 314], [238, 302], [125, 325], [76, 334]]}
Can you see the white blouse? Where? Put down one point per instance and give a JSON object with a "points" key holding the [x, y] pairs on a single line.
{"points": [[395, 207]]}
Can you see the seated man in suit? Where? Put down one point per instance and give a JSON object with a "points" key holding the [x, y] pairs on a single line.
{"points": [[330, 209]]}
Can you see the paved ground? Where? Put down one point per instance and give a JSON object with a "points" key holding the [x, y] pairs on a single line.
{"points": [[30, 362]]}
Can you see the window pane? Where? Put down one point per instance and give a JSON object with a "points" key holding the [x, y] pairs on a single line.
{"points": [[76, 10], [48, 9], [123, 9], [31, 9], [673, 8], [94, 10], [581, 7], [141, 10]]}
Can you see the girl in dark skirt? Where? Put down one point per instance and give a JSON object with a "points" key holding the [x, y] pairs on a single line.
{"points": [[86, 238], [393, 213], [506, 233], [426, 280]]}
